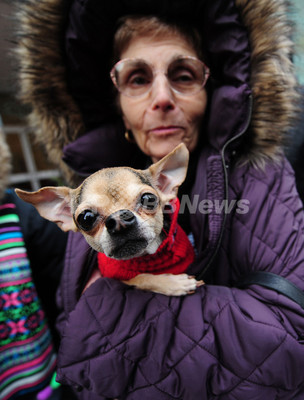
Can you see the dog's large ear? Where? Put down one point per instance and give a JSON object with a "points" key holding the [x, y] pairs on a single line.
{"points": [[52, 203], [170, 172]]}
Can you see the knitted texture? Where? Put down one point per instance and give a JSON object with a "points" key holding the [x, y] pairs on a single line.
{"points": [[27, 359], [174, 256]]}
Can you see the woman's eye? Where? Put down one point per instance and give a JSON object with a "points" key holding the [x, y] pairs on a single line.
{"points": [[86, 220], [149, 201], [182, 75], [138, 80]]}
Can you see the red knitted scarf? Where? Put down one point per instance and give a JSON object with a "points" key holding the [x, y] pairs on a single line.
{"points": [[174, 255]]}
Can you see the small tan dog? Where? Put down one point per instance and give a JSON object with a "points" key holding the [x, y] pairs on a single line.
{"points": [[119, 211]]}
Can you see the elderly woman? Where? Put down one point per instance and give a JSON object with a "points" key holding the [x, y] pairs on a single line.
{"points": [[217, 76]]}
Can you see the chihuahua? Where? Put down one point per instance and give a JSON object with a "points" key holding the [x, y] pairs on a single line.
{"points": [[120, 212]]}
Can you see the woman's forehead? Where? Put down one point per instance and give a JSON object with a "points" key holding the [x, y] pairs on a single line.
{"points": [[153, 49]]}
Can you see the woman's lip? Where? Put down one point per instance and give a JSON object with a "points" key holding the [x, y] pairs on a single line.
{"points": [[165, 130]]}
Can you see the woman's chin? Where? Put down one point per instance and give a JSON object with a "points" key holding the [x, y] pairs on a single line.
{"points": [[160, 150], [158, 154]]}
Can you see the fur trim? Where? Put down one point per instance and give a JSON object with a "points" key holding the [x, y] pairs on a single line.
{"points": [[57, 120], [273, 81]]}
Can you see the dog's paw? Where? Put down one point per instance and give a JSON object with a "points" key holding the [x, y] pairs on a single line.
{"points": [[167, 284], [181, 285]]}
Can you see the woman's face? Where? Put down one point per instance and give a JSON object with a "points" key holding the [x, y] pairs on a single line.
{"points": [[162, 118]]}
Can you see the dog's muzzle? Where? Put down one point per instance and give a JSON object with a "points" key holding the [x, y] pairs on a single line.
{"points": [[120, 222], [125, 236]]}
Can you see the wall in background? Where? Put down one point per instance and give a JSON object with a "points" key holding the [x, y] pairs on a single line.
{"points": [[7, 84], [298, 17]]}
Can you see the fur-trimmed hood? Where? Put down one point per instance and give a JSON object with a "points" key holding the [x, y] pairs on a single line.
{"points": [[61, 61]]}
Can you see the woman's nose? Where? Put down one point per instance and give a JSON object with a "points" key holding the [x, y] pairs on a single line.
{"points": [[162, 94]]}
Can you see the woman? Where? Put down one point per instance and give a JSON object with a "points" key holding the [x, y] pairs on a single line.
{"points": [[223, 342]]}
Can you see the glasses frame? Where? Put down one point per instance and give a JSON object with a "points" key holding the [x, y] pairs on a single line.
{"points": [[114, 80]]}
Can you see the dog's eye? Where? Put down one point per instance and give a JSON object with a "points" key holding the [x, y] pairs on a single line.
{"points": [[86, 220], [149, 201]]}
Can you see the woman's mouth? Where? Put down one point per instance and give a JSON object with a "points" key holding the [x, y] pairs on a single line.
{"points": [[166, 130]]}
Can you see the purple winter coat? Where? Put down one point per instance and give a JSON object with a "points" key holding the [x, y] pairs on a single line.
{"points": [[221, 343]]}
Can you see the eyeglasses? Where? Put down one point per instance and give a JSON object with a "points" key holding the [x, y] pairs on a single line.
{"points": [[135, 77]]}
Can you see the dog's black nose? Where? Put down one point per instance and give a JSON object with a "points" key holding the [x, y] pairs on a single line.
{"points": [[120, 221]]}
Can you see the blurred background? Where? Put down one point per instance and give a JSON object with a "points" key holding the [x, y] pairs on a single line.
{"points": [[31, 170], [298, 18], [30, 167]]}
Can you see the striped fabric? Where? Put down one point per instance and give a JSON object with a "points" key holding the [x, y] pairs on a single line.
{"points": [[27, 359]]}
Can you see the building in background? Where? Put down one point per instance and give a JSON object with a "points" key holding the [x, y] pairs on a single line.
{"points": [[298, 17], [30, 167]]}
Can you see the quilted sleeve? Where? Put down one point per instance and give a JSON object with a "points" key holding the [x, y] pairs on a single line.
{"points": [[124, 343], [270, 235]]}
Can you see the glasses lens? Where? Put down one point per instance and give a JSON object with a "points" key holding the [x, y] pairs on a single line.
{"points": [[187, 75], [133, 77]]}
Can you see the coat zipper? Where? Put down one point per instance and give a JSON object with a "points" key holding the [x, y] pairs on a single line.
{"points": [[225, 167]]}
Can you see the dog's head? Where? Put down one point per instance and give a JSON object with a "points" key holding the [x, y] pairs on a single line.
{"points": [[118, 210]]}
